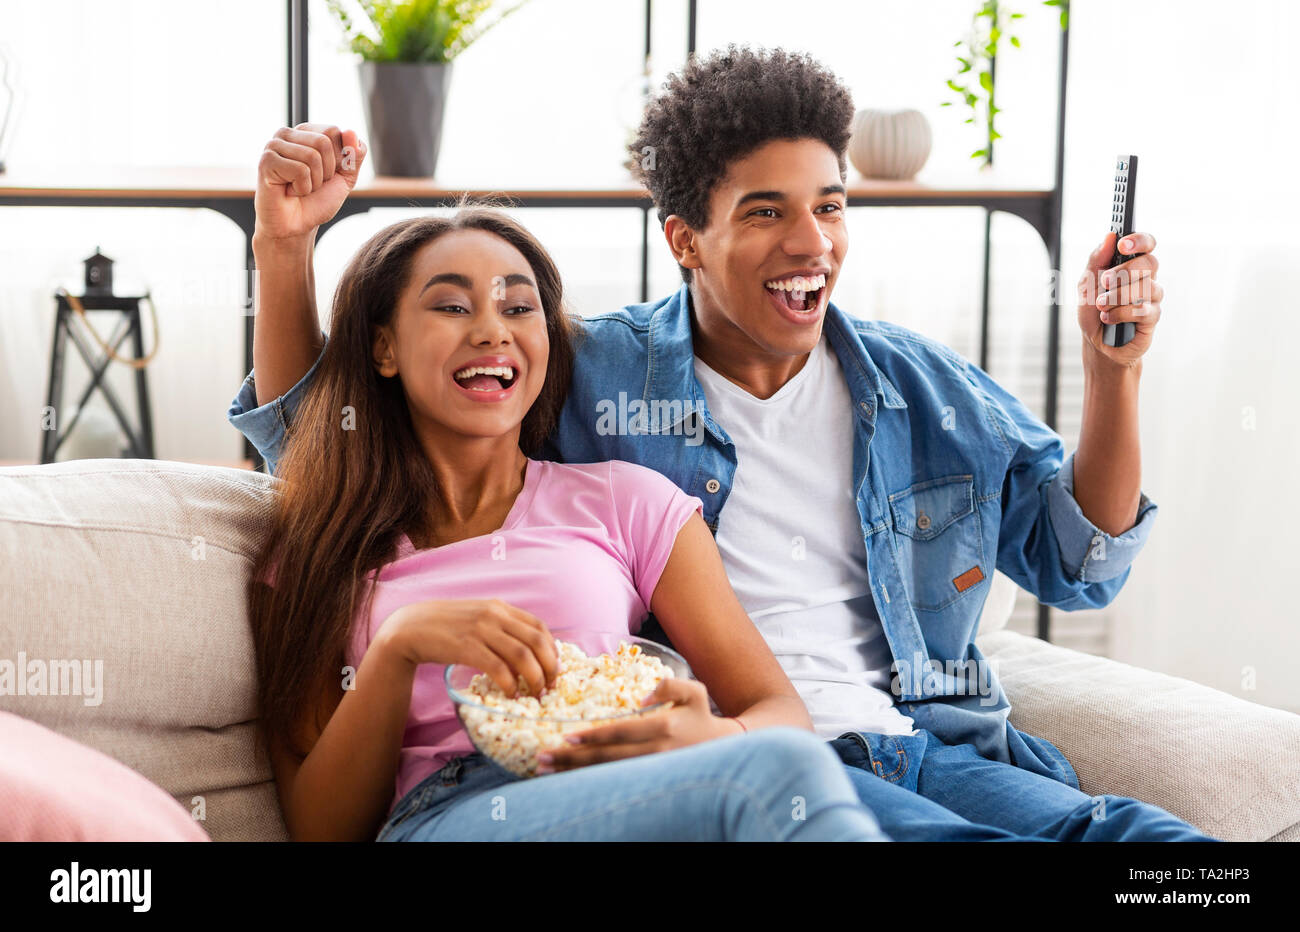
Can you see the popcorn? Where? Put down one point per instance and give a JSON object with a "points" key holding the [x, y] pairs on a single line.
{"points": [[586, 688]]}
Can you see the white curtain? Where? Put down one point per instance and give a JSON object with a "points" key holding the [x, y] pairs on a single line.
{"points": [[1199, 91]]}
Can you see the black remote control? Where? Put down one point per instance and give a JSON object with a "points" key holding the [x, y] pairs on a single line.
{"points": [[1121, 223]]}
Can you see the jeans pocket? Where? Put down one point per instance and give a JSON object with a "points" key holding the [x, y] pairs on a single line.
{"points": [[430, 791], [894, 758]]}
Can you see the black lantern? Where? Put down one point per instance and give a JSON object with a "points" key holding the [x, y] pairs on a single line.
{"points": [[99, 297], [99, 274]]}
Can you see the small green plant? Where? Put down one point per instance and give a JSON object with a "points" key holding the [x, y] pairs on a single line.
{"points": [[981, 49], [427, 31]]}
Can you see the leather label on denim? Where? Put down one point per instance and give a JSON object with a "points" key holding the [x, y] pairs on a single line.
{"points": [[968, 578]]}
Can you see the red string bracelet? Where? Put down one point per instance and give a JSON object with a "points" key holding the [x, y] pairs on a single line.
{"points": [[743, 729]]}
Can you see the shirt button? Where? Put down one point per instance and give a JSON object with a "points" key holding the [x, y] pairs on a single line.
{"points": [[712, 486], [923, 522]]}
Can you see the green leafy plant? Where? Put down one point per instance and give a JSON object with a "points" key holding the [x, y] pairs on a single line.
{"points": [[981, 48], [427, 31]]}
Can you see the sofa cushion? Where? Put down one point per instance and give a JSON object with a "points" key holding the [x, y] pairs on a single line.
{"points": [[1226, 765], [137, 568], [54, 789]]}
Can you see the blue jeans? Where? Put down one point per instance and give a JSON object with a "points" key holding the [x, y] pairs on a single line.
{"points": [[776, 784], [921, 789]]}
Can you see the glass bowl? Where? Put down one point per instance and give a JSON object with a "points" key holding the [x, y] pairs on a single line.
{"points": [[513, 739]]}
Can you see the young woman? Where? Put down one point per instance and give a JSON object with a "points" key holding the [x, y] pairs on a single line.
{"points": [[414, 529]]}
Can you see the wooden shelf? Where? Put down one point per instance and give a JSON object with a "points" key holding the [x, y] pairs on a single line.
{"points": [[200, 183]]}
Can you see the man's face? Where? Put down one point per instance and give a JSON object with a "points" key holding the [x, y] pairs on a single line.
{"points": [[776, 232]]}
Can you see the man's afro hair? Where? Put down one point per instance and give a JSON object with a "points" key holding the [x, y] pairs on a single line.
{"points": [[723, 107]]}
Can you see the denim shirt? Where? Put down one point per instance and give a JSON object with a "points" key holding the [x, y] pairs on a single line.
{"points": [[953, 477]]}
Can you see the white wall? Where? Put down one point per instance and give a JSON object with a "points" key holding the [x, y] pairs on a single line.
{"points": [[1210, 115], [1199, 91]]}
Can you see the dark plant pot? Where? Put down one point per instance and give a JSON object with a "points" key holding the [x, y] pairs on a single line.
{"points": [[404, 103]]}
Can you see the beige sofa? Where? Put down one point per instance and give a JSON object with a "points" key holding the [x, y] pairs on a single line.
{"points": [[142, 564]]}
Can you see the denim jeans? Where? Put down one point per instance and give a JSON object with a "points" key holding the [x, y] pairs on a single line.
{"points": [[775, 784], [922, 789]]}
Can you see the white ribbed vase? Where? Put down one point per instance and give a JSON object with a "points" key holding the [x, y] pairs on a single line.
{"points": [[890, 144]]}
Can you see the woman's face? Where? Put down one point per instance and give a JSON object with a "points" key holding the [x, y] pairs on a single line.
{"points": [[471, 303]]}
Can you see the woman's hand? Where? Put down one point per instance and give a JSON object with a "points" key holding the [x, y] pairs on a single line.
{"points": [[303, 178], [503, 641], [688, 721]]}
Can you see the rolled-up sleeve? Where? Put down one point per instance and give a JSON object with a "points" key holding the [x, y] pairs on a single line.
{"points": [[265, 425], [1087, 551], [1045, 542]]}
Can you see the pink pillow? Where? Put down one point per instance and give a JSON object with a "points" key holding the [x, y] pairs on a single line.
{"points": [[54, 789]]}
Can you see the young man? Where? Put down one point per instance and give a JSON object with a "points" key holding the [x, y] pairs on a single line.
{"points": [[872, 478]]}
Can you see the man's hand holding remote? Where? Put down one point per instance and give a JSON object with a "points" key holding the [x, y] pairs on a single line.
{"points": [[1128, 292]]}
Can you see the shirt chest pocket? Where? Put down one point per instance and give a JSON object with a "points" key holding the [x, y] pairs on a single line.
{"points": [[939, 541]]}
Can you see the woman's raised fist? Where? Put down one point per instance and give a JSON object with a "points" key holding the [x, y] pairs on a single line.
{"points": [[304, 177]]}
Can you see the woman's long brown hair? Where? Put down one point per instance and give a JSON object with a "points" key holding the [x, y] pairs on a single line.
{"points": [[347, 495]]}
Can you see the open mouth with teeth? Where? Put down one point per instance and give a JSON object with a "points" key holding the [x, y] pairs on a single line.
{"points": [[800, 293], [485, 378]]}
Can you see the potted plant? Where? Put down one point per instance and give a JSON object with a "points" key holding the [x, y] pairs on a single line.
{"points": [[988, 23], [406, 49]]}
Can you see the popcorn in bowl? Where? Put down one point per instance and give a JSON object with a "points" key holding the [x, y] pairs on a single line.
{"points": [[588, 691]]}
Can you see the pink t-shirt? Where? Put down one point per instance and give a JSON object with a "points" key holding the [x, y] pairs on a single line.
{"points": [[583, 546]]}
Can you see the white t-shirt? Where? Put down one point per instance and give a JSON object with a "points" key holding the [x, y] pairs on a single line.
{"points": [[791, 542]]}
